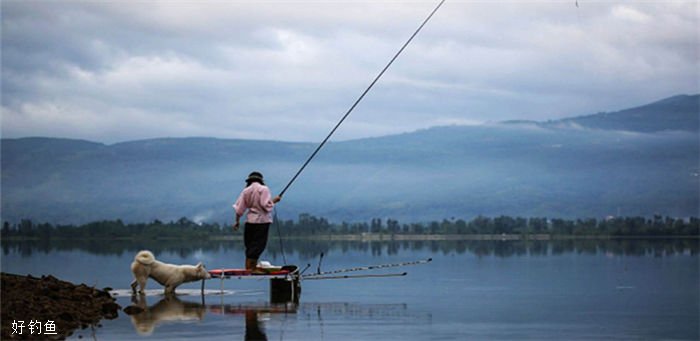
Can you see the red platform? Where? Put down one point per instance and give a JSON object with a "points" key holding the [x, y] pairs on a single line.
{"points": [[243, 272]]}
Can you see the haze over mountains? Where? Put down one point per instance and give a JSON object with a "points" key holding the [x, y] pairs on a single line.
{"points": [[639, 161]]}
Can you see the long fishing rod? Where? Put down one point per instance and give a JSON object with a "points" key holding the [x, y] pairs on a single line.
{"points": [[367, 268], [358, 276], [359, 99], [306, 163]]}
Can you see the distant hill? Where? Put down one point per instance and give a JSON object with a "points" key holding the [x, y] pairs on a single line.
{"points": [[553, 169], [675, 113]]}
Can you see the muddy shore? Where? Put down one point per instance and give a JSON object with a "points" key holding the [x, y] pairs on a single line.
{"points": [[68, 306]]}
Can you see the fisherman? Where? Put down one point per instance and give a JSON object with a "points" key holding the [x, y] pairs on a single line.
{"points": [[257, 200]]}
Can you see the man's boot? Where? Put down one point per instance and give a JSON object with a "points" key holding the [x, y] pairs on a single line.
{"points": [[255, 269], [250, 264]]}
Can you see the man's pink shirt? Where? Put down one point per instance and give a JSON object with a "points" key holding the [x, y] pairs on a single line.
{"points": [[257, 199]]}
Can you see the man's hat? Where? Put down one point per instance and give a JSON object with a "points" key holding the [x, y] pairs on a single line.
{"points": [[254, 176]]}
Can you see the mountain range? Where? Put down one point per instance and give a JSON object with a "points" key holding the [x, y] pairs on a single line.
{"points": [[639, 161]]}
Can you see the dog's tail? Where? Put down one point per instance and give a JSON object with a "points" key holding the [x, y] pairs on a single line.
{"points": [[145, 257]]}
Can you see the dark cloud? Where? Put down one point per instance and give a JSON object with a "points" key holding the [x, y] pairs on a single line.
{"points": [[113, 71]]}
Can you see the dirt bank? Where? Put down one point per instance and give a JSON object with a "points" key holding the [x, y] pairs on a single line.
{"points": [[68, 306]]}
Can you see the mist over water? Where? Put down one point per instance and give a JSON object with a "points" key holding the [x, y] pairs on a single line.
{"points": [[637, 162]]}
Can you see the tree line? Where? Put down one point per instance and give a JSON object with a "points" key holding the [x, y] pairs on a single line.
{"points": [[308, 225]]}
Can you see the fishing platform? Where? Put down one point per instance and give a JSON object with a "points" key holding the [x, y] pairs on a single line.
{"points": [[285, 281]]}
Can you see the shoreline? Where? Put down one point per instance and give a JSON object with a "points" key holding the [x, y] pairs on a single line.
{"points": [[474, 237], [393, 237]]}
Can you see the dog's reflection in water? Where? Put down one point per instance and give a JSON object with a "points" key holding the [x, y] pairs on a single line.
{"points": [[170, 308]]}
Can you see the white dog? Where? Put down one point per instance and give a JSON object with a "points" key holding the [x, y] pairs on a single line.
{"points": [[170, 276]]}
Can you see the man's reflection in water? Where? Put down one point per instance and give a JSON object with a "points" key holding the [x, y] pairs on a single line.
{"points": [[253, 326], [255, 314]]}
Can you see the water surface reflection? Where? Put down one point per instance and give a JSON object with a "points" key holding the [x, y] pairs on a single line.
{"points": [[312, 248], [170, 310]]}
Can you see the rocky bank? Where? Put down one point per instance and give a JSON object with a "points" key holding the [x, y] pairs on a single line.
{"points": [[69, 306]]}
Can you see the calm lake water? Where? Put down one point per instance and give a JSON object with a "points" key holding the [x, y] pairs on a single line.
{"points": [[569, 290]]}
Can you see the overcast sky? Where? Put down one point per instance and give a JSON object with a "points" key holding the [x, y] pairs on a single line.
{"points": [[288, 70]]}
